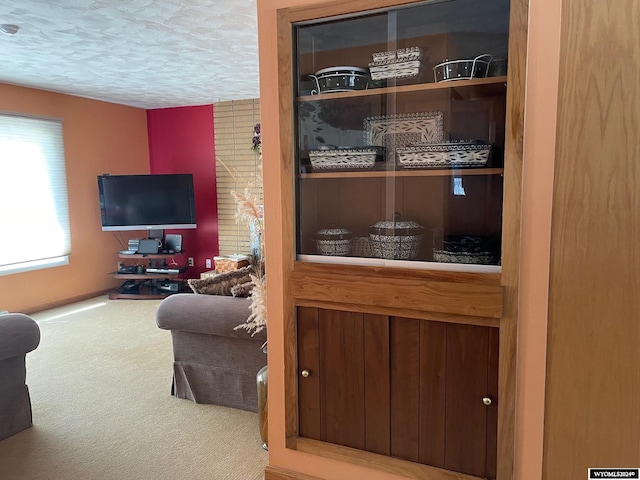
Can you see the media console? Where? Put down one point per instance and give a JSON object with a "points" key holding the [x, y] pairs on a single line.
{"points": [[152, 278]]}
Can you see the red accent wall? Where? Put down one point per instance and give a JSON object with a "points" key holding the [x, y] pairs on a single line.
{"points": [[181, 140]]}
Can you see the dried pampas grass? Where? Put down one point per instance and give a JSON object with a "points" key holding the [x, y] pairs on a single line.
{"points": [[249, 209], [257, 320]]}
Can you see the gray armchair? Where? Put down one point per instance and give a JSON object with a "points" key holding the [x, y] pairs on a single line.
{"points": [[19, 334]]}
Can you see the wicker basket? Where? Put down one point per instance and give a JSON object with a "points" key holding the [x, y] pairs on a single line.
{"points": [[336, 158], [443, 155], [334, 241], [396, 239], [361, 247], [470, 249], [474, 258], [401, 63], [397, 70]]}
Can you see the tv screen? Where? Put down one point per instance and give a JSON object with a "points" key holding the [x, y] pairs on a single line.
{"points": [[146, 202]]}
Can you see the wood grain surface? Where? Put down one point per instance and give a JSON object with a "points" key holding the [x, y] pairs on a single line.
{"points": [[410, 292], [593, 368], [511, 226]]}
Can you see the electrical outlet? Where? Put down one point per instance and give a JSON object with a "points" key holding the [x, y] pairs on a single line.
{"points": [[191, 261], [207, 263]]}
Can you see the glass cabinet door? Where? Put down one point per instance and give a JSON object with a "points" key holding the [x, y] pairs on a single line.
{"points": [[399, 126]]}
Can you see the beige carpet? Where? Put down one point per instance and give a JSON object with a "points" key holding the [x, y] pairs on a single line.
{"points": [[100, 390]]}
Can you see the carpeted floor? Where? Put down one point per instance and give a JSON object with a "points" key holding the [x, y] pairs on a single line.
{"points": [[100, 390]]}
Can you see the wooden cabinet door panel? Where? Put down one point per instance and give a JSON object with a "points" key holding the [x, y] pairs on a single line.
{"points": [[405, 387], [492, 410], [308, 386], [466, 385], [342, 377], [433, 337], [376, 384]]}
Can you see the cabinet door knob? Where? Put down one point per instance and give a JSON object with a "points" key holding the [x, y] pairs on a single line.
{"points": [[487, 401], [305, 373]]}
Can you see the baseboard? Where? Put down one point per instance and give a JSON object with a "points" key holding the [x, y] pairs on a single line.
{"points": [[66, 301], [276, 473]]}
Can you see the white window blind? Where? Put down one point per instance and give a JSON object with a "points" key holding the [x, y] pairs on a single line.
{"points": [[236, 165], [34, 212]]}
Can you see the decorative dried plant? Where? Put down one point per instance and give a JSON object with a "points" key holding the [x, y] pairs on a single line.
{"points": [[249, 209]]}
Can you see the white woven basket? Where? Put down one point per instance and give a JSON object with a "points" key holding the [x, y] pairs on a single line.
{"points": [[343, 158], [398, 70], [456, 155]]}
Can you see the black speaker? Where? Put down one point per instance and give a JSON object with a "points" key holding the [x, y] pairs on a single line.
{"points": [[149, 245], [173, 242]]}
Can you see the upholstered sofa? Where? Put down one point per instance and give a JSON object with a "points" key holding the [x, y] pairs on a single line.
{"points": [[19, 334], [213, 362]]}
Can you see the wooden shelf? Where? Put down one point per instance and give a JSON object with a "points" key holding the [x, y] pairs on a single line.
{"points": [[460, 172], [459, 86], [147, 283], [147, 256], [144, 276], [145, 293]]}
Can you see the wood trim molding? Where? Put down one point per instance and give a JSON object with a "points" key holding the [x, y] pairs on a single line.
{"points": [[403, 312], [511, 227], [276, 473], [285, 94], [339, 7], [383, 289], [383, 463], [66, 301]]}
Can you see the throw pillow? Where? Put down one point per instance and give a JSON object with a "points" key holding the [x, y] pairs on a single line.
{"points": [[222, 283], [242, 290]]}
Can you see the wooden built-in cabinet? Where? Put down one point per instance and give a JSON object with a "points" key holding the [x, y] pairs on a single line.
{"points": [[404, 365]]}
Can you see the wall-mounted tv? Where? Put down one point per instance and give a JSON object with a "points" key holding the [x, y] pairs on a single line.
{"points": [[147, 202]]}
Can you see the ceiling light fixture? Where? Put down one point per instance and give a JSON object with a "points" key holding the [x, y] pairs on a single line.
{"points": [[9, 28]]}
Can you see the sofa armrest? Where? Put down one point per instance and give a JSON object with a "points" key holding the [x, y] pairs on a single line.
{"points": [[208, 314], [19, 334]]}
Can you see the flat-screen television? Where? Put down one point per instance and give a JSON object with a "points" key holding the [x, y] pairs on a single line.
{"points": [[147, 202]]}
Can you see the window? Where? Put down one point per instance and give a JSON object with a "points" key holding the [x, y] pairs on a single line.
{"points": [[34, 213], [236, 165]]}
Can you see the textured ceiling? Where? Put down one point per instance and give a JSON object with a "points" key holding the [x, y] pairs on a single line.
{"points": [[143, 53]]}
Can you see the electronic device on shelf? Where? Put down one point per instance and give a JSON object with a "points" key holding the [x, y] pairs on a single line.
{"points": [[173, 243], [167, 270], [169, 285], [147, 202], [128, 269], [130, 286], [128, 252], [149, 246], [132, 244]]}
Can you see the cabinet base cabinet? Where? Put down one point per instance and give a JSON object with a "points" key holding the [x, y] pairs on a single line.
{"points": [[416, 390]]}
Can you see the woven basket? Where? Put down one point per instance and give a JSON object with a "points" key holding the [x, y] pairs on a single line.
{"points": [[334, 241], [403, 247], [338, 248], [443, 155], [401, 63], [396, 239], [476, 258], [361, 247], [344, 158]]}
